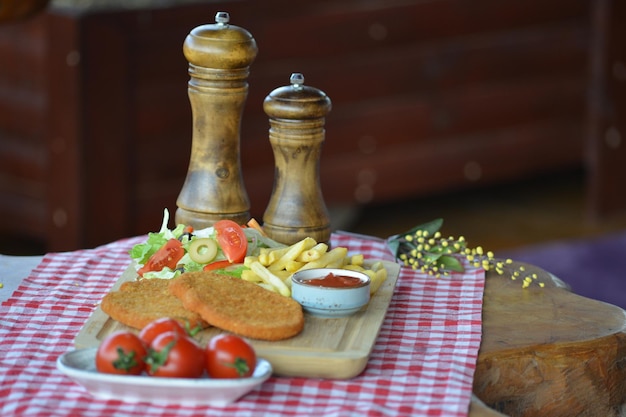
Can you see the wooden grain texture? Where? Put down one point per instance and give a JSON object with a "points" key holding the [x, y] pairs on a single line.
{"points": [[549, 352], [478, 408], [326, 348], [296, 209], [219, 56]]}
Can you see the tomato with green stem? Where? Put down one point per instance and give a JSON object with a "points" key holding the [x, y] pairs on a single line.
{"points": [[122, 353], [232, 240], [174, 355], [168, 255], [229, 356]]}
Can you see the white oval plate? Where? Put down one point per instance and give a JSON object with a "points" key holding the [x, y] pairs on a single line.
{"points": [[80, 366]]}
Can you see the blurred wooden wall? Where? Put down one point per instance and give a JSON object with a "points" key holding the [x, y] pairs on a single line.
{"points": [[428, 97], [605, 156]]}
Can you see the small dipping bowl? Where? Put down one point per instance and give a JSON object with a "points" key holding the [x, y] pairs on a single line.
{"points": [[324, 299]]}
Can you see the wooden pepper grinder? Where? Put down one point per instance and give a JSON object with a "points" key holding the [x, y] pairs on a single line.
{"points": [[219, 57], [296, 208]]}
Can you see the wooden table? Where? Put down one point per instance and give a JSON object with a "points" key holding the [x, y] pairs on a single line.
{"points": [[548, 352]]}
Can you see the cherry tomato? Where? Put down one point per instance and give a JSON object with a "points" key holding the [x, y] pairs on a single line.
{"points": [[232, 240], [175, 355], [167, 256], [158, 326], [229, 356], [121, 352], [217, 265]]}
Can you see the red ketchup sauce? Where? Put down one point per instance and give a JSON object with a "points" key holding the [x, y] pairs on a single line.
{"points": [[334, 281]]}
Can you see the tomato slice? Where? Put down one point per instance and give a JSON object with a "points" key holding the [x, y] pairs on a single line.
{"points": [[217, 265], [167, 256], [232, 240]]}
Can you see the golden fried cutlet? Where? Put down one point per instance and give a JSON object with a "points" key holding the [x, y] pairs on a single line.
{"points": [[239, 306], [137, 303]]}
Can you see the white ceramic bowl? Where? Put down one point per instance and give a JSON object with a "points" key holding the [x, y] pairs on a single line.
{"points": [[325, 301]]}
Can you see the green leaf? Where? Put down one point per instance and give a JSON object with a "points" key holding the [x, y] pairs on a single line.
{"points": [[432, 257], [397, 243], [452, 263], [141, 252], [431, 227], [394, 246], [233, 272]]}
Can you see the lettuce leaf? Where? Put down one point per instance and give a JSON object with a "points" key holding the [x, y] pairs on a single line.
{"points": [[141, 252]]}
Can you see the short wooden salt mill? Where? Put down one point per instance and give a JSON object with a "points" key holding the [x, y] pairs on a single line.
{"points": [[219, 57], [296, 208]]}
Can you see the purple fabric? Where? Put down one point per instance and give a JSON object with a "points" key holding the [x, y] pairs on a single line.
{"points": [[594, 268]]}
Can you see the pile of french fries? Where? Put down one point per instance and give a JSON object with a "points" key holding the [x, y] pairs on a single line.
{"points": [[272, 268]]}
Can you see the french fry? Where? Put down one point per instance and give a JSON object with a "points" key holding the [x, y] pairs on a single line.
{"points": [[250, 275], [357, 259], [283, 274], [268, 287], [337, 263], [287, 281], [334, 256], [264, 258], [269, 278], [293, 266], [269, 255], [276, 254], [313, 254], [292, 253], [379, 277], [377, 266], [273, 267], [352, 267], [249, 259]]}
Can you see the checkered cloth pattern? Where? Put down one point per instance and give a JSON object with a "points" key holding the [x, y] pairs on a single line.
{"points": [[422, 363]]}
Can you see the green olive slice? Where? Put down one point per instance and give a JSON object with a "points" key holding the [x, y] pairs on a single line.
{"points": [[202, 250]]}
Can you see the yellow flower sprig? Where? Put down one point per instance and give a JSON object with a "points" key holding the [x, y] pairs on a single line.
{"points": [[423, 248]]}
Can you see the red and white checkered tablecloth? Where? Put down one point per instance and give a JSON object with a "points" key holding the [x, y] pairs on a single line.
{"points": [[422, 364]]}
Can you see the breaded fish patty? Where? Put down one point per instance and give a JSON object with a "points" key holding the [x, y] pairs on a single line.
{"points": [[239, 306], [137, 303]]}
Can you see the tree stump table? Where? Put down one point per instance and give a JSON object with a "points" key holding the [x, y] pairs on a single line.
{"points": [[546, 351]]}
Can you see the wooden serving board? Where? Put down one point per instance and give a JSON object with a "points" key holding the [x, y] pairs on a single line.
{"points": [[327, 348]]}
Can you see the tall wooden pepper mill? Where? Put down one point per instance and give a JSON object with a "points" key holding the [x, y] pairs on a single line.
{"points": [[296, 208], [219, 57]]}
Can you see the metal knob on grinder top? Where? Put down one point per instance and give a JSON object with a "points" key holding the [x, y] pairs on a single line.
{"points": [[296, 208], [219, 57]]}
